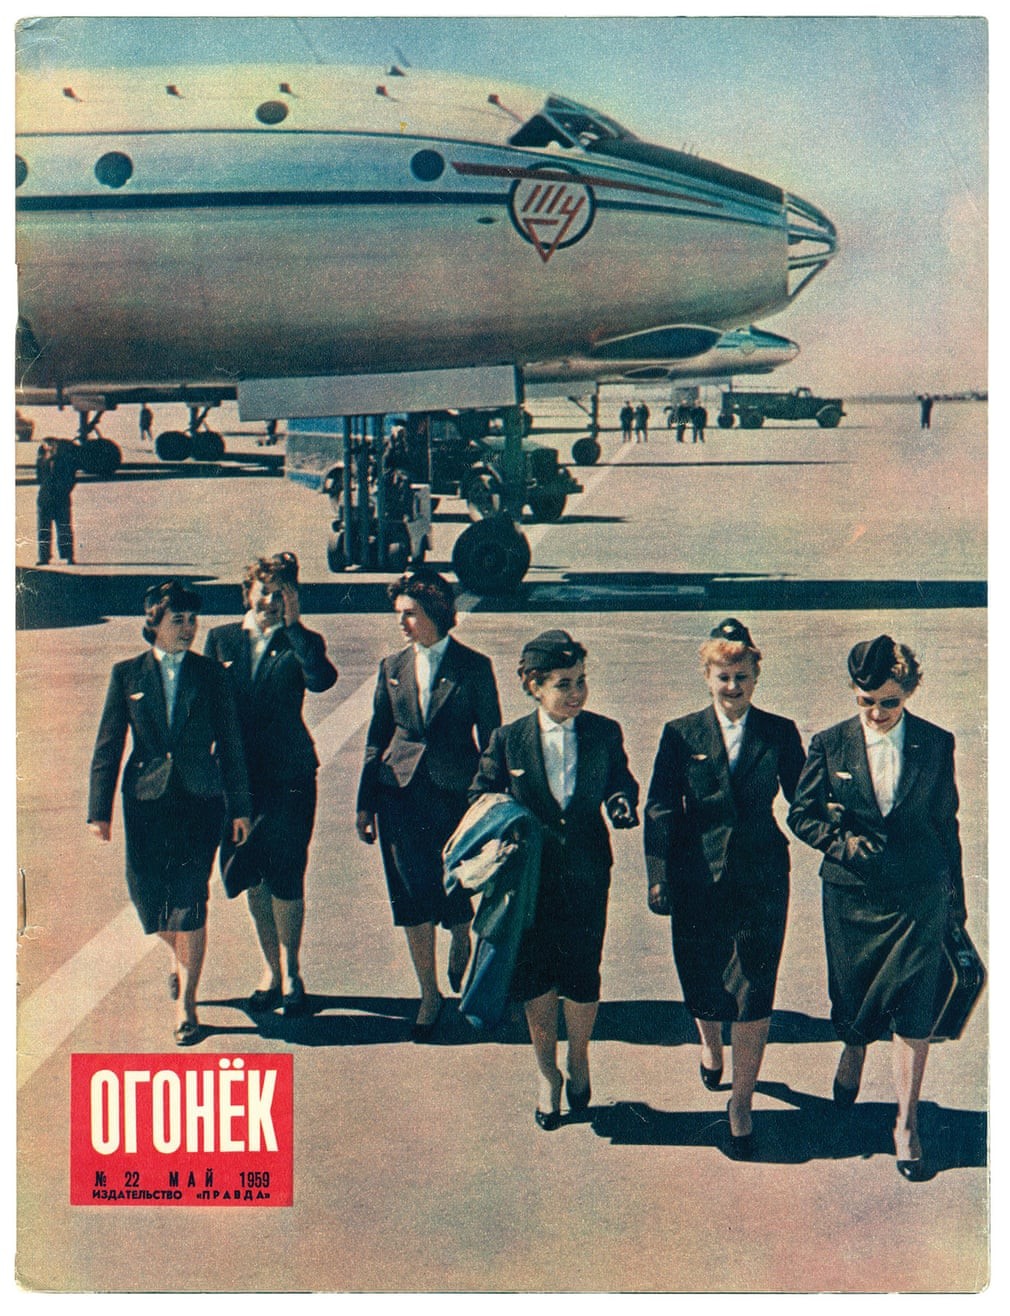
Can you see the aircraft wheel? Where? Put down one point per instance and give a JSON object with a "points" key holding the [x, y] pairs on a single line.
{"points": [[491, 557], [547, 506], [586, 451], [752, 420], [173, 446], [336, 556], [207, 446], [726, 420], [828, 417], [99, 457], [483, 493]]}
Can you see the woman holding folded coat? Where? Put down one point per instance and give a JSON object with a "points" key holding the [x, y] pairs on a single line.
{"points": [[719, 865], [565, 765], [878, 798]]}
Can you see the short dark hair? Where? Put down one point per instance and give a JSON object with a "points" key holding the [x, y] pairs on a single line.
{"points": [[170, 596], [432, 591], [281, 569]]}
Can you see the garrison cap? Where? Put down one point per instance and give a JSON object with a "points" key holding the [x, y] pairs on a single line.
{"points": [[549, 651], [177, 595], [734, 631], [871, 662]]}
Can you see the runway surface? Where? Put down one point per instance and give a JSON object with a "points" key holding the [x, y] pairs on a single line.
{"points": [[419, 1168]]}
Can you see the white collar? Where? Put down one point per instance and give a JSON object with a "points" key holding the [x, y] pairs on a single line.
{"points": [[727, 723], [432, 651], [549, 727], [250, 624], [174, 659], [895, 737]]}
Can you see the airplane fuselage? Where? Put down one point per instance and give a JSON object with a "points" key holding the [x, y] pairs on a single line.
{"points": [[211, 225]]}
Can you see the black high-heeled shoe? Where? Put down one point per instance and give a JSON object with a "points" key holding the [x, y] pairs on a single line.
{"points": [[913, 1171], [577, 1100], [741, 1145], [843, 1096], [549, 1120], [710, 1077]]}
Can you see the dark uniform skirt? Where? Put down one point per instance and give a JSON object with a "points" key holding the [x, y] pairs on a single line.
{"points": [[414, 825], [727, 943], [884, 955], [563, 947], [277, 851], [170, 847]]}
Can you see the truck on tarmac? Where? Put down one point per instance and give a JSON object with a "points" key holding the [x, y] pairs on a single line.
{"points": [[799, 404]]}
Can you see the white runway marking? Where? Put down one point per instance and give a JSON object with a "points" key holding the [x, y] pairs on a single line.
{"points": [[69, 995]]}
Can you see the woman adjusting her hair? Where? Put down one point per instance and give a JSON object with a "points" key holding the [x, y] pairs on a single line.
{"points": [[719, 865], [272, 659], [565, 765], [878, 798], [185, 771]]}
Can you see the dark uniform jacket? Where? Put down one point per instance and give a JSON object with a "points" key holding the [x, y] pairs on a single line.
{"points": [[277, 742], [464, 699], [699, 816], [201, 751], [916, 845], [575, 839]]}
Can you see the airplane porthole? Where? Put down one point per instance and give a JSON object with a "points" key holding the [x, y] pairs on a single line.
{"points": [[20, 171], [426, 166], [114, 169], [271, 112]]}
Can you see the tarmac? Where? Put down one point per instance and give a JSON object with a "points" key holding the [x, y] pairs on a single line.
{"points": [[419, 1168]]}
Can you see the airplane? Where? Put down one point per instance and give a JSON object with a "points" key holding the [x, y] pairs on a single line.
{"points": [[317, 240]]}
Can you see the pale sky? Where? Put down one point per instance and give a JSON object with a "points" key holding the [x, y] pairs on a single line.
{"points": [[879, 121]]}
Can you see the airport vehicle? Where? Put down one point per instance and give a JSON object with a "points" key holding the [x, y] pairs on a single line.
{"points": [[798, 404], [315, 240]]}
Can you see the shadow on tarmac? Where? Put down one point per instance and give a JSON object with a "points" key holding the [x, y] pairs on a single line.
{"points": [[246, 464], [812, 1129], [379, 1020], [51, 598]]}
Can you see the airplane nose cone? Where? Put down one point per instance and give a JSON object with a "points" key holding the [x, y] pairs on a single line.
{"points": [[813, 242]]}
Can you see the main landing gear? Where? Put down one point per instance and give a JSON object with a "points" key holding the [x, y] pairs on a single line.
{"points": [[97, 456], [199, 442]]}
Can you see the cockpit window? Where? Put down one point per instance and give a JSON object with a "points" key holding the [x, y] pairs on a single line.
{"points": [[566, 123]]}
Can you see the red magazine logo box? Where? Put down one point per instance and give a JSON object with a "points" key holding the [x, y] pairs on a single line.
{"points": [[171, 1130]]}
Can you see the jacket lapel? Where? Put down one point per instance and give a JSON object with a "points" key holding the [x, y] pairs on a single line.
{"points": [[278, 644], [752, 746], [911, 759], [403, 691], [446, 680], [152, 708], [184, 695], [857, 762], [532, 756], [713, 743]]}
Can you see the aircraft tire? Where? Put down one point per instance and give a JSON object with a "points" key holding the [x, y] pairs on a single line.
{"points": [[100, 458], [482, 492], [336, 556], [207, 446], [586, 451], [751, 420], [828, 417], [491, 557], [726, 420], [547, 506], [173, 446]]}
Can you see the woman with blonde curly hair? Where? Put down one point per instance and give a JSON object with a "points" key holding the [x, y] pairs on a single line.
{"points": [[718, 864]]}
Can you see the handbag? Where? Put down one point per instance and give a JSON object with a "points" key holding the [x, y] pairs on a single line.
{"points": [[962, 978]]}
